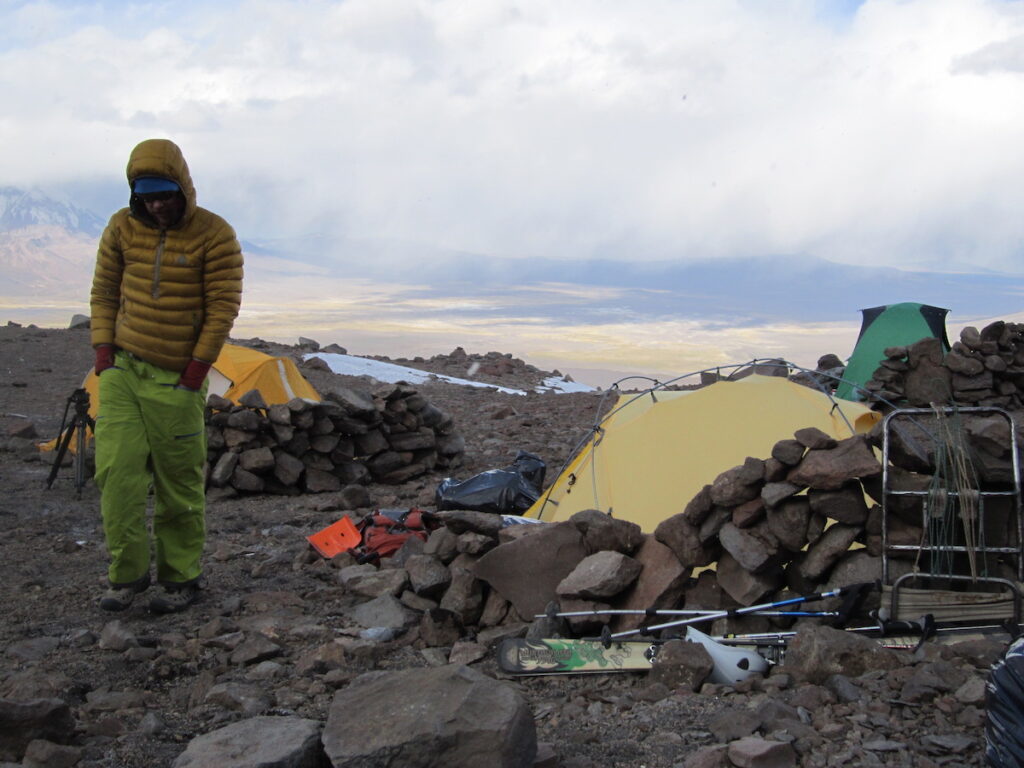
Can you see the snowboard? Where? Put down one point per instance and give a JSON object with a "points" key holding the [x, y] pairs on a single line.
{"points": [[567, 656]]}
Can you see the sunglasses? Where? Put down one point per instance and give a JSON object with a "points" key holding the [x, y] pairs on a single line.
{"points": [[157, 197]]}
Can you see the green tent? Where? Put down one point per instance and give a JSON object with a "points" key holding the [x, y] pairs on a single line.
{"points": [[892, 325]]}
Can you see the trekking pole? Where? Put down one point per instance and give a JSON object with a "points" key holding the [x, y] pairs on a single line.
{"points": [[924, 628], [854, 589], [670, 612]]}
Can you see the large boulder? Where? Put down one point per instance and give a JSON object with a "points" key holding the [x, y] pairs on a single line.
{"points": [[527, 571], [451, 716], [257, 742], [817, 652]]}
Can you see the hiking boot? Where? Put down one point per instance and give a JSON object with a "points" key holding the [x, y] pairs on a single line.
{"points": [[119, 596], [174, 597]]}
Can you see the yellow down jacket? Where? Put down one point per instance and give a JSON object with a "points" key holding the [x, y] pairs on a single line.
{"points": [[166, 295]]}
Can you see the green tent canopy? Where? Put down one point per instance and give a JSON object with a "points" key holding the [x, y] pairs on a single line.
{"points": [[892, 325]]}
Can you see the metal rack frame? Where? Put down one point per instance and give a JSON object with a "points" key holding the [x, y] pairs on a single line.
{"points": [[943, 548]]}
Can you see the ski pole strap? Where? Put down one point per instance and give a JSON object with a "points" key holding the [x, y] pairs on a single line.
{"points": [[853, 596], [890, 627], [927, 630], [924, 628]]}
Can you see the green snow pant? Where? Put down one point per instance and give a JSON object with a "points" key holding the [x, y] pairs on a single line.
{"points": [[150, 433]]}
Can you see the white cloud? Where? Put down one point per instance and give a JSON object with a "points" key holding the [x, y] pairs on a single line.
{"points": [[639, 130], [1000, 56]]}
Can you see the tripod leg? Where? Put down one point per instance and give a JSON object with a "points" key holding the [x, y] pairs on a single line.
{"points": [[80, 458], [62, 448]]}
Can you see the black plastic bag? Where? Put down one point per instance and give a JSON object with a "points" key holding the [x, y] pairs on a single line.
{"points": [[508, 491], [1004, 700], [531, 467]]}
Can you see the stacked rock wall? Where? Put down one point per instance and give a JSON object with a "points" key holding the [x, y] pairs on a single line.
{"points": [[804, 520], [983, 368], [388, 436], [765, 523], [800, 521]]}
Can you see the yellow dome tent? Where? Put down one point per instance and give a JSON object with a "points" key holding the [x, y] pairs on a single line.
{"points": [[237, 370], [240, 369], [655, 450]]}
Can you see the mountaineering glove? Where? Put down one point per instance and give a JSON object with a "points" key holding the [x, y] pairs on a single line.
{"points": [[104, 357], [194, 374]]}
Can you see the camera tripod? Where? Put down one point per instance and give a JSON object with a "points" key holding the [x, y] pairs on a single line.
{"points": [[80, 421]]}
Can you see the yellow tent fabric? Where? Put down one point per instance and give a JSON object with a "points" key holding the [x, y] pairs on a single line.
{"points": [[654, 451], [237, 370], [277, 378]]}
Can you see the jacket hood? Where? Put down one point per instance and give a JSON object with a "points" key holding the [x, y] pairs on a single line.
{"points": [[160, 157]]}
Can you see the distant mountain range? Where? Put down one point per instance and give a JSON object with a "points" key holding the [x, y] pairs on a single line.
{"points": [[20, 209], [47, 244], [744, 290]]}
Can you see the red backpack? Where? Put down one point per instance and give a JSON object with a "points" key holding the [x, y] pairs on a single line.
{"points": [[385, 531]]}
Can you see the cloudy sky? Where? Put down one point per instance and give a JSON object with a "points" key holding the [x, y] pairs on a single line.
{"points": [[882, 132]]}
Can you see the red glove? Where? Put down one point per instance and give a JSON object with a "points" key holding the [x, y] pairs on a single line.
{"points": [[194, 375], [104, 357]]}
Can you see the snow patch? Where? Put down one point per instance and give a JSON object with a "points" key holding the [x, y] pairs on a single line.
{"points": [[390, 373]]}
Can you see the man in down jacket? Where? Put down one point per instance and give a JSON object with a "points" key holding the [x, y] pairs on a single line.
{"points": [[165, 293]]}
